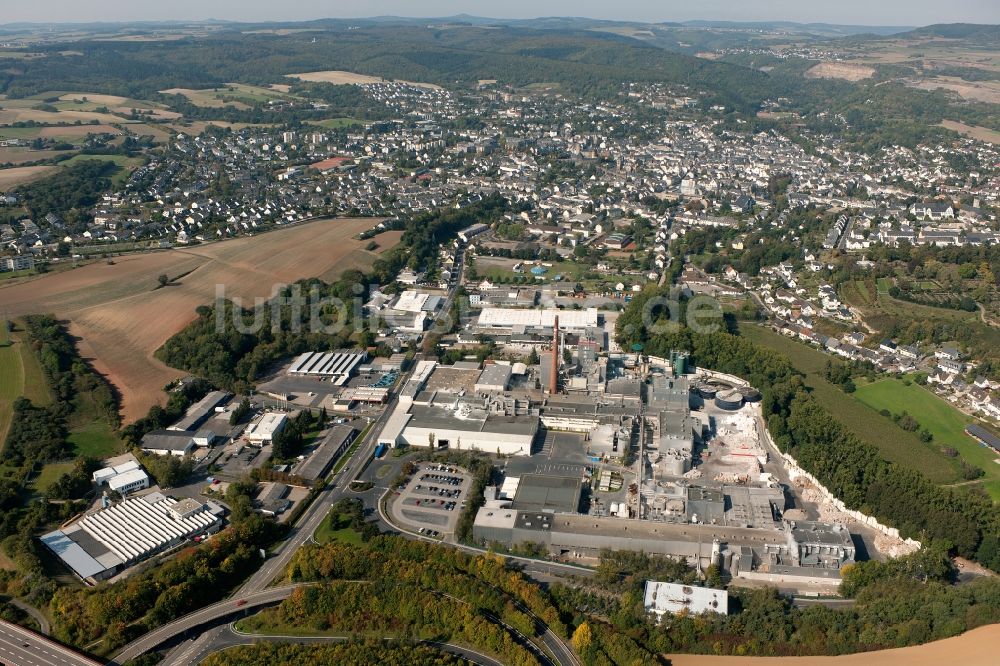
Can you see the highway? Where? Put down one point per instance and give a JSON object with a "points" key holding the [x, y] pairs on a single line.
{"points": [[21, 647]]}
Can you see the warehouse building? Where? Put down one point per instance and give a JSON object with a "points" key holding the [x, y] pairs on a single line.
{"points": [[168, 443], [110, 540], [334, 366], [464, 427], [520, 320], [318, 465], [494, 379], [201, 411]]}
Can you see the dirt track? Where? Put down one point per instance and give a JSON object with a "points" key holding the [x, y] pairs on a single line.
{"points": [[121, 318]]}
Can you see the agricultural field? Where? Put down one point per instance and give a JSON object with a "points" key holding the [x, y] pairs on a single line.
{"points": [[896, 445], [16, 156], [121, 318], [972, 131], [841, 70], [338, 77], [944, 421], [20, 175], [337, 123], [233, 94]]}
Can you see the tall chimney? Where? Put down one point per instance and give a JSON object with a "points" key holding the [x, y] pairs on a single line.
{"points": [[554, 376]]}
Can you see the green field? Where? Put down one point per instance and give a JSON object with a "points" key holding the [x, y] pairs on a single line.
{"points": [[946, 423], [896, 445], [50, 474], [336, 527], [20, 375], [96, 440], [337, 123]]}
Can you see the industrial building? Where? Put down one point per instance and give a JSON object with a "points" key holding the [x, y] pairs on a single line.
{"points": [[462, 426], [318, 465], [168, 443], [201, 411], [105, 542], [336, 367], [262, 431], [515, 319], [494, 378], [125, 478], [662, 598]]}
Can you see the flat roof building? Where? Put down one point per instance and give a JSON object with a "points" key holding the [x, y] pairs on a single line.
{"points": [[201, 411], [129, 482], [465, 428], [520, 319], [663, 598], [168, 443], [318, 465], [262, 431], [494, 379]]}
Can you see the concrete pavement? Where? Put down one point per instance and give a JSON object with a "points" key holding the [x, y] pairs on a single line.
{"points": [[21, 647]]}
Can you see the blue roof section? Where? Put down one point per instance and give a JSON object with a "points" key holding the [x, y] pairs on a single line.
{"points": [[984, 436], [72, 554]]}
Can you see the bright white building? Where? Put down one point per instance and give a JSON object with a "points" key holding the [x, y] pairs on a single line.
{"points": [[663, 598], [263, 430], [519, 318]]}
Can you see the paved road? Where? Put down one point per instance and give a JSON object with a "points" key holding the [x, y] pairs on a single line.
{"points": [[21, 647], [230, 638], [275, 565], [37, 615]]}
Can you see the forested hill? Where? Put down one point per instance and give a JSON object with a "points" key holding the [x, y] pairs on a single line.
{"points": [[973, 32], [581, 61]]}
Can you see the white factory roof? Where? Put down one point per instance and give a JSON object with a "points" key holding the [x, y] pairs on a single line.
{"points": [[124, 479], [103, 475], [411, 301], [664, 598], [519, 317], [124, 533], [266, 426]]}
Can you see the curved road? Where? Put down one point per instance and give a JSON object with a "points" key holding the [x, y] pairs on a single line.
{"points": [[231, 638]]}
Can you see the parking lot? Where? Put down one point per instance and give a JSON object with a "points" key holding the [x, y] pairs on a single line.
{"points": [[432, 500]]}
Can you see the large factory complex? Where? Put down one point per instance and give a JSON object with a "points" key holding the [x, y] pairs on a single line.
{"points": [[617, 452]]}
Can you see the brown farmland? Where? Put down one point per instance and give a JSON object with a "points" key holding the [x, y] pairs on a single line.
{"points": [[121, 318], [978, 647]]}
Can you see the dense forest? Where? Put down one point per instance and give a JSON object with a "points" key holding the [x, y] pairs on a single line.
{"points": [[68, 192], [868, 114], [356, 652], [961, 521]]}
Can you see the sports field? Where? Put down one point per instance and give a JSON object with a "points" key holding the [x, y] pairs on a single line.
{"points": [[894, 443], [944, 421]]}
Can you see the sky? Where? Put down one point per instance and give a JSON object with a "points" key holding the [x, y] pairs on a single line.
{"points": [[855, 12]]}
